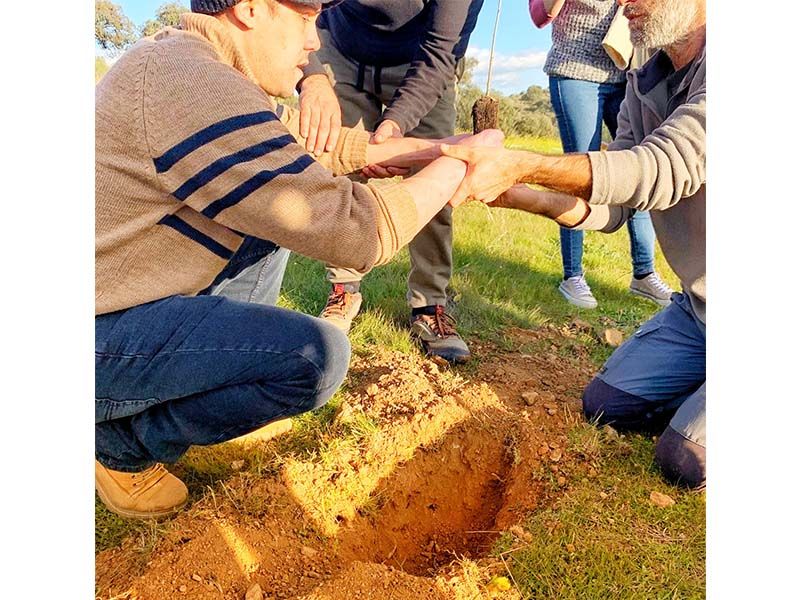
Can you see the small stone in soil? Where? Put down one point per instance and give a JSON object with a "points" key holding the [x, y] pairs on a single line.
{"points": [[660, 500], [613, 337], [254, 593]]}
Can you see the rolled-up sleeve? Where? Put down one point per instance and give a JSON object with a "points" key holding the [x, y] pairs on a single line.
{"points": [[605, 218], [668, 165]]}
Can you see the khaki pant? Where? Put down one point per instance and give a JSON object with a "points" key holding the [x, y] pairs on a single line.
{"points": [[363, 91]]}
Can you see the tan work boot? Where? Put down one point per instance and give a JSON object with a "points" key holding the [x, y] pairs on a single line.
{"points": [[341, 307], [265, 433], [148, 494]]}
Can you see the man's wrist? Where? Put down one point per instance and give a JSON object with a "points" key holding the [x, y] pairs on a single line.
{"points": [[314, 79]]}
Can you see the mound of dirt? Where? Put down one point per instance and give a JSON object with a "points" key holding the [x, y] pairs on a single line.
{"points": [[410, 509]]}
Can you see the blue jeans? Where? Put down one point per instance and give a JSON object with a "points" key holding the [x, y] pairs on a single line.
{"points": [[199, 370], [581, 107]]}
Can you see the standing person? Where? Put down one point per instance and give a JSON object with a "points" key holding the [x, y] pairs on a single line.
{"points": [[656, 380], [200, 190], [393, 65], [586, 90]]}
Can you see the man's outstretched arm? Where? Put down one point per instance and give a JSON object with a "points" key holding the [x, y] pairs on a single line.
{"points": [[568, 211]]}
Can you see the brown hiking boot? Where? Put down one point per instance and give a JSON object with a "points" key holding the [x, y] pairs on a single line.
{"points": [[341, 307], [438, 335], [265, 433], [148, 494]]}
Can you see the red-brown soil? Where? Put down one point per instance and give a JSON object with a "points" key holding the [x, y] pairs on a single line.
{"points": [[409, 510]]}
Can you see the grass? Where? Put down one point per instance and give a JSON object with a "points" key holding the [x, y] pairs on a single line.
{"points": [[604, 539], [507, 266]]}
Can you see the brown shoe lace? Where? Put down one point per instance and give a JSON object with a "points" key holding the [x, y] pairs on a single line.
{"points": [[335, 306], [443, 325], [146, 479]]}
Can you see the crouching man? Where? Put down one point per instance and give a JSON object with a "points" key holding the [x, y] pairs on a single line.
{"points": [[201, 190], [655, 381]]}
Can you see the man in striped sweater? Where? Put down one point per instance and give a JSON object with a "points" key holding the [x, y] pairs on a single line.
{"points": [[202, 186]]}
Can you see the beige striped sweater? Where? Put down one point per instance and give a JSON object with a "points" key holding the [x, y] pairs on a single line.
{"points": [[191, 155]]}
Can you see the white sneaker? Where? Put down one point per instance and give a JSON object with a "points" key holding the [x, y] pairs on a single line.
{"points": [[653, 288], [577, 292]]}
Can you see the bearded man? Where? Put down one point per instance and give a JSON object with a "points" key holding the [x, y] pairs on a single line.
{"points": [[656, 380]]}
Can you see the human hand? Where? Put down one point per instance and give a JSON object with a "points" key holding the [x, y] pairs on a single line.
{"points": [[386, 130], [381, 172], [490, 171], [400, 155], [320, 114]]}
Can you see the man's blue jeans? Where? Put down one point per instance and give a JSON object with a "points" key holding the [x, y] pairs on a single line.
{"points": [[199, 370], [581, 107]]}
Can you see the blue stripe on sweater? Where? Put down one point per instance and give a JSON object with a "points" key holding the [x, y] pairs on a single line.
{"points": [[193, 234], [248, 187], [209, 134], [218, 167]]}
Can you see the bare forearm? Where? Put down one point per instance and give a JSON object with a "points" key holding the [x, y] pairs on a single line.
{"points": [[564, 209], [403, 152], [433, 186], [568, 173]]}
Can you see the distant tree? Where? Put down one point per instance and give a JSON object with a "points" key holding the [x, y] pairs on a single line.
{"points": [[100, 68], [167, 15], [113, 31], [470, 62]]}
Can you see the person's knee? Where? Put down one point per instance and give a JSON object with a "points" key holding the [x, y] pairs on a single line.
{"points": [[605, 404], [327, 355], [597, 398], [681, 460]]}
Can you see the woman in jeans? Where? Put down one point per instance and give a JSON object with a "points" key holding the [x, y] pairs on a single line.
{"points": [[586, 90]]}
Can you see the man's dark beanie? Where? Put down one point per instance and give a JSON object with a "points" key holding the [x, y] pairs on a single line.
{"points": [[212, 7]]}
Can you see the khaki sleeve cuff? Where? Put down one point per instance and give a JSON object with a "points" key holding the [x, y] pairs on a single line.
{"points": [[351, 151], [397, 218]]}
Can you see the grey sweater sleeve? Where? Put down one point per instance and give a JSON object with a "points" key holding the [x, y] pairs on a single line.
{"points": [[668, 164], [451, 22], [605, 218]]}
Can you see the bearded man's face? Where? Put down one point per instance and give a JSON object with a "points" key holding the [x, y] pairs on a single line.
{"points": [[659, 23]]}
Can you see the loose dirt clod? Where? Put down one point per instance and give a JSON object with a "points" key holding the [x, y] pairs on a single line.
{"points": [[254, 593], [613, 337], [660, 500]]}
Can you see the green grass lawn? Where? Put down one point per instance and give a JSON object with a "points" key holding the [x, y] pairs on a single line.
{"points": [[608, 541]]}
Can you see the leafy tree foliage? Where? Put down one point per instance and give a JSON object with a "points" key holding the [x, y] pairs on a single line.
{"points": [[167, 15], [113, 31], [100, 68]]}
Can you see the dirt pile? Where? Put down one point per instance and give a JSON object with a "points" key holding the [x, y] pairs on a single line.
{"points": [[438, 465]]}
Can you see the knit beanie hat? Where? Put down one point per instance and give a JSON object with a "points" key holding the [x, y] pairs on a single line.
{"points": [[212, 7]]}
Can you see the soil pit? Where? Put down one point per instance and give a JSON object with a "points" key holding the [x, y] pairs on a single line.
{"points": [[410, 508]]}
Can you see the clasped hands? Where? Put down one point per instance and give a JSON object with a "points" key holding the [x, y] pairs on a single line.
{"points": [[491, 170]]}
